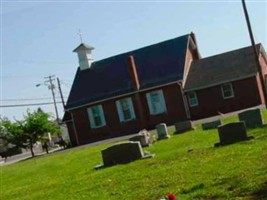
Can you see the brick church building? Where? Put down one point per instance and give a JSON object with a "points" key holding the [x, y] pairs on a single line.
{"points": [[166, 82]]}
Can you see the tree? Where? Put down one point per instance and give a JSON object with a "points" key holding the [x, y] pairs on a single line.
{"points": [[12, 132], [25, 133], [35, 126], [11, 136]]}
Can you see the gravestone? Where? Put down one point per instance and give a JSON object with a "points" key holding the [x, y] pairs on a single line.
{"points": [[211, 125], [143, 139], [232, 132], [183, 126], [162, 131], [149, 136], [252, 118], [122, 153]]}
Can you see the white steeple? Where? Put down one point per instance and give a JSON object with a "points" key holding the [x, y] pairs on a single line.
{"points": [[84, 52]]}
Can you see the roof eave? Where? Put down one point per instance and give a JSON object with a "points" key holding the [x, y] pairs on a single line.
{"points": [[83, 46], [119, 96]]}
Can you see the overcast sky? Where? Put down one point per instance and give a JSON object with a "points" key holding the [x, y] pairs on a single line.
{"points": [[37, 37]]}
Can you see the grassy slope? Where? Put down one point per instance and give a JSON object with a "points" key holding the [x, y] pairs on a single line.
{"points": [[236, 171]]}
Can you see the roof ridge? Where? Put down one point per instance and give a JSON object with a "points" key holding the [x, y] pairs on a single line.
{"points": [[141, 48], [228, 52]]}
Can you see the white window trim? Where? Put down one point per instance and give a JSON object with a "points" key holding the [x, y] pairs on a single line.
{"points": [[92, 119], [120, 111], [195, 97], [162, 100], [232, 91]]}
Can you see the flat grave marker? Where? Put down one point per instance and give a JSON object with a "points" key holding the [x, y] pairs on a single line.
{"points": [[211, 125], [181, 127]]}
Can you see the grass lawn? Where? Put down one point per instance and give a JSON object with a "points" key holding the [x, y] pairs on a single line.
{"points": [[237, 171]]}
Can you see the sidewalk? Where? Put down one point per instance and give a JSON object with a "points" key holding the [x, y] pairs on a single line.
{"points": [[23, 156]]}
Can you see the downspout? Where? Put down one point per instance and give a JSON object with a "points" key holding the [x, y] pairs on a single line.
{"points": [[186, 107]]}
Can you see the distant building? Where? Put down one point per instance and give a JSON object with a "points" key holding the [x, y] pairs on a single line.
{"points": [[165, 82]]}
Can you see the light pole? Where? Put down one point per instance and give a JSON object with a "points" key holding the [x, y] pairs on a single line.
{"points": [[50, 85]]}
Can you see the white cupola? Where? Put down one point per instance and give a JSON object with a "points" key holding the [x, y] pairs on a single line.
{"points": [[84, 52]]}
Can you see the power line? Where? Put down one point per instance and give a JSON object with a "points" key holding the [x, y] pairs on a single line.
{"points": [[19, 76], [54, 62], [31, 99], [32, 104], [68, 85], [66, 80]]}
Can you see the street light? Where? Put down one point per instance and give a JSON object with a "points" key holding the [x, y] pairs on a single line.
{"points": [[50, 86]]}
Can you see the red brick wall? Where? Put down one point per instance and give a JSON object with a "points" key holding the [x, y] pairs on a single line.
{"points": [[264, 72], [114, 127], [263, 64], [191, 54], [174, 104], [211, 101]]}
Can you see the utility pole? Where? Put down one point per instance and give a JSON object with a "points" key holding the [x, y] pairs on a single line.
{"points": [[256, 53], [61, 94], [51, 86]]}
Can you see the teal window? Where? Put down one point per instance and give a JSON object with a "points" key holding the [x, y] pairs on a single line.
{"points": [[125, 109], [227, 91], [192, 97], [156, 102], [96, 116]]}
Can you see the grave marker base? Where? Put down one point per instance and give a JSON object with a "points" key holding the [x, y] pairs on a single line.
{"points": [[164, 137], [100, 166], [122, 153], [223, 144]]}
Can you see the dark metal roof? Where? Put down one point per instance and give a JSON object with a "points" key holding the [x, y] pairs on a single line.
{"points": [[225, 67], [156, 64]]}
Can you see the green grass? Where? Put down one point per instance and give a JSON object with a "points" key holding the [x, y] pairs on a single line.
{"points": [[187, 165]]}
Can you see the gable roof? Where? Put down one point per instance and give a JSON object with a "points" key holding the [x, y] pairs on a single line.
{"points": [[222, 68], [156, 64]]}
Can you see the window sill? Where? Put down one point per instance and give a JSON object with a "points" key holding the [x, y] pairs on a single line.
{"points": [[165, 112], [230, 97], [128, 120], [96, 127]]}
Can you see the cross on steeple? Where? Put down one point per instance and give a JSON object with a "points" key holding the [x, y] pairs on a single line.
{"points": [[80, 34]]}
